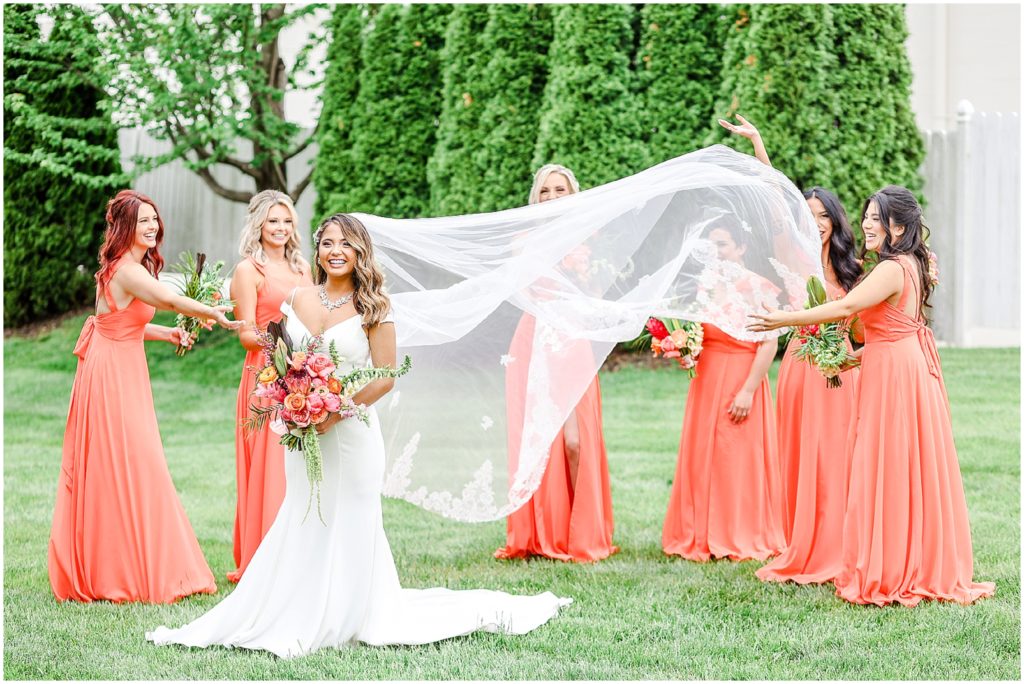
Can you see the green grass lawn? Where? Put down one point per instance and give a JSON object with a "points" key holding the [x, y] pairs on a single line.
{"points": [[637, 615]]}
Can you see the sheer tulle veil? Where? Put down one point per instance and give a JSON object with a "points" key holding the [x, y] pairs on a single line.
{"points": [[589, 268]]}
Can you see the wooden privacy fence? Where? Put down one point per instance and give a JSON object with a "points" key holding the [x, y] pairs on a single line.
{"points": [[972, 189]]}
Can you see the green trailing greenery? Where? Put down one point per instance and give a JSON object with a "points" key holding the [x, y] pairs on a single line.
{"points": [[454, 172], [61, 162], [336, 169], [590, 120], [679, 71], [637, 615], [516, 39], [878, 139], [398, 105], [778, 74]]}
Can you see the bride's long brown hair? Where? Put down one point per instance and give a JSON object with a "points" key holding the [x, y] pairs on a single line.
{"points": [[371, 299]]}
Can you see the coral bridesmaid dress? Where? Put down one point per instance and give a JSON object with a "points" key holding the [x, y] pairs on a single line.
{"points": [[814, 424], [906, 535], [726, 498], [259, 457], [119, 531], [560, 522]]}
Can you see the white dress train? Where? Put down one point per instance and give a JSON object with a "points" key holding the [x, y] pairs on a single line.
{"points": [[309, 586]]}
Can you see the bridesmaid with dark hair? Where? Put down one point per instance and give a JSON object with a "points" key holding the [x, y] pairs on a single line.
{"points": [[119, 531], [813, 419], [906, 533]]}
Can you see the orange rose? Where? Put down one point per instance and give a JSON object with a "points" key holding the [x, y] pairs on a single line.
{"points": [[268, 374], [295, 402], [298, 360], [317, 418], [679, 337], [334, 385]]}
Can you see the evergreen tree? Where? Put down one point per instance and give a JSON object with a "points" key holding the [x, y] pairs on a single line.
{"points": [[778, 74], [397, 109], [455, 178], [679, 73], [62, 162], [590, 120], [879, 142], [516, 39], [335, 170]]}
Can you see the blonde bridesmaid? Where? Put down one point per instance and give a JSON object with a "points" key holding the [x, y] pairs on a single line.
{"points": [[726, 498], [813, 419], [119, 531], [906, 533], [569, 517], [272, 266]]}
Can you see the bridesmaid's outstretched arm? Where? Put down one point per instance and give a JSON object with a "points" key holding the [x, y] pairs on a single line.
{"points": [[136, 281], [884, 281]]}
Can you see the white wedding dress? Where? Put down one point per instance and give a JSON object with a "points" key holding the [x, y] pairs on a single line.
{"points": [[310, 586]]}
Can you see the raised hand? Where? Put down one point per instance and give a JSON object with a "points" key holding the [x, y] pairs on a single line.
{"points": [[769, 320], [746, 129]]}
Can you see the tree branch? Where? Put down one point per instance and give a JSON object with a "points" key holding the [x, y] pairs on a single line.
{"points": [[211, 182], [297, 190], [305, 143]]}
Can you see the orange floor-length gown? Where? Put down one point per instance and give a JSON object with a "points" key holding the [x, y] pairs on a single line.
{"points": [[814, 424], [259, 456], [906, 533], [726, 498], [559, 522], [119, 531]]}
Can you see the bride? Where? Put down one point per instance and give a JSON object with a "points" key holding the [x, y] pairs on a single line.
{"points": [[311, 586]]}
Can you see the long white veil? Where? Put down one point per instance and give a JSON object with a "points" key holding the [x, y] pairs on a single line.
{"points": [[508, 316]]}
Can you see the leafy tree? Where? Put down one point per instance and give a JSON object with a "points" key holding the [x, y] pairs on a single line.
{"points": [[590, 121], [204, 78], [516, 39], [778, 74], [453, 171], [679, 72], [879, 142], [61, 162], [335, 169], [397, 109]]}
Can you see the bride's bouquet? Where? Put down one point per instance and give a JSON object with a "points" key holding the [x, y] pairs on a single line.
{"points": [[305, 387], [824, 345], [679, 340], [201, 284]]}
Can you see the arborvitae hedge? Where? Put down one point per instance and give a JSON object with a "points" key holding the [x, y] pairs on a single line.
{"points": [[336, 171], [879, 142], [61, 164], [453, 171], [590, 120], [679, 69], [782, 83], [516, 40], [397, 108]]}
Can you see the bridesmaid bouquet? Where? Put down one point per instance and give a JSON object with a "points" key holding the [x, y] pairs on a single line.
{"points": [[824, 345], [201, 284], [305, 388], [679, 340]]}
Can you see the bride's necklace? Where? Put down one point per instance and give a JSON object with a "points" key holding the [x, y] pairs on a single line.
{"points": [[337, 303]]}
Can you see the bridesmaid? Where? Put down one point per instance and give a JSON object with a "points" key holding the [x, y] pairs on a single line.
{"points": [[726, 499], [272, 266], [813, 418], [119, 531], [569, 517], [906, 534]]}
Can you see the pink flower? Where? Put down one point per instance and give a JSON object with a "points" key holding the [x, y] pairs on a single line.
{"points": [[315, 403], [668, 346], [672, 355], [319, 366], [686, 362], [279, 394], [656, 328], [332, 402], [317, 382], [301, 418], [297, 382], [317, 418]]}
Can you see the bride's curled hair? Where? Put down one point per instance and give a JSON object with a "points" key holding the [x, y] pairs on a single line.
{"points": [[371, 299]]}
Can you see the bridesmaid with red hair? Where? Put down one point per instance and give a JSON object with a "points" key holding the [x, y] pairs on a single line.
{"points": [[569, 517], [906, 533], [272, 266], [119, 531]]}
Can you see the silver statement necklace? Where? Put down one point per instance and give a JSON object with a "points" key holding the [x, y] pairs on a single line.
{"points": [[337, 303]]}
